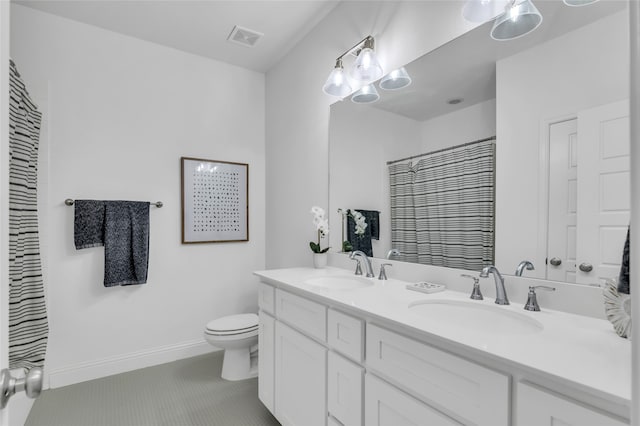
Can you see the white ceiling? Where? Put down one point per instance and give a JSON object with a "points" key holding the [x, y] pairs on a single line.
{"points": [[201, 27]]}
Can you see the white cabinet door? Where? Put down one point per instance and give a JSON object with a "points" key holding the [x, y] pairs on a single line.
{"points": [[344, 390], [301, 371], [386, 405], [536, 407], [266, 360]]}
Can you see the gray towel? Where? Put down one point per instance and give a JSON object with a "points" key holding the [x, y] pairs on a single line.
{"points": [[88, 226], [623, 278], [126, 238]]}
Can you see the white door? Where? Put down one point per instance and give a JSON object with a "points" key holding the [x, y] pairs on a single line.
{"points": [[563, 167], [604, 195]]}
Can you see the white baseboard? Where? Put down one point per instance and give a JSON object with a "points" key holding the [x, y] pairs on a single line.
{"points": [[90, 370]]}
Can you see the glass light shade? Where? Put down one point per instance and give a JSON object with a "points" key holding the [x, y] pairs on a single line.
{"points": [[517, 20], [578, 2], [337, 84], [366, 66], [396, 79], [365, 95], [479, 11]]}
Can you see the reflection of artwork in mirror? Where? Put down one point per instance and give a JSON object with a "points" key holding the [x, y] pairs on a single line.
{"points": [[214, 201], [572, 71], [442, 206]]}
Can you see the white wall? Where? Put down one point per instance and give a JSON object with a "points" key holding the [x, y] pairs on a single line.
{"points": [[121, 114], [579, 70], [361, 140], [465, 125], [298, 110]]}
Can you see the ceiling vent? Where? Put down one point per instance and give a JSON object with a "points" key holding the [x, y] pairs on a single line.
{"points": [[244, 36]]}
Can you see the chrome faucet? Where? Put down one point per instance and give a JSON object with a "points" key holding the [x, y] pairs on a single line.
{"points": [[393, 252], [367, 263], [525, 264], [501, 293]]}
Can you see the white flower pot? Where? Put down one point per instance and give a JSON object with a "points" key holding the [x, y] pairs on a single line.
{"points": [[319, 260]]}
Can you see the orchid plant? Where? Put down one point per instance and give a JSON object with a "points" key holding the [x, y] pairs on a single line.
{"points": [[322, 226], [360, 221]]}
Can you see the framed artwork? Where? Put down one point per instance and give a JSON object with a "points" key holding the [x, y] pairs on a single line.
{"points": [[215, 201]]}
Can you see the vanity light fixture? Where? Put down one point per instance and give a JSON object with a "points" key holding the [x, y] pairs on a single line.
{"points": [[578, 2], [337, 84], [365, 69], [396, 79], [480, 11], [366, 95], [519, 18]]}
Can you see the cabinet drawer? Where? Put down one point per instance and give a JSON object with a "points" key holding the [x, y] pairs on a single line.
{"points": [[303, 314], [345, 334], [475, 393], [266, 298], [344, 390], [538, 407], [386, 405]]}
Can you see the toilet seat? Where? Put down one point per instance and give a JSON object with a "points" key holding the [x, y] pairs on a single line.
{"points": [[233, 327]]}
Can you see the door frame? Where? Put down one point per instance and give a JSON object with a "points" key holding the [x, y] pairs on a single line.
{"points": [[543, 187], [4, 192]]}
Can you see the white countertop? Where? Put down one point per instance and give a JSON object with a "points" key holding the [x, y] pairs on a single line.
{"points": [[582, 350]]}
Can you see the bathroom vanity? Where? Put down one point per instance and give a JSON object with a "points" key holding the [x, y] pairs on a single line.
{"points": [[340, 349]]}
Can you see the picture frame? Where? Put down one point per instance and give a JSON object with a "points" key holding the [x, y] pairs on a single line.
{"points": [[215, 201]]}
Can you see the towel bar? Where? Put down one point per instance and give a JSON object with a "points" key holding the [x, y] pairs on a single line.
{"points": [[70, 202]]}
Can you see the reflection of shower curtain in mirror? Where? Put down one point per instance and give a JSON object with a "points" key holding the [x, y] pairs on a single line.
{"points": [[28, 327], [442, 208]]}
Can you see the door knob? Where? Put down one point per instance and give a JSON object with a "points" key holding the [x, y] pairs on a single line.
{"points": [[31, 384], [555, 261], [586, 267]]}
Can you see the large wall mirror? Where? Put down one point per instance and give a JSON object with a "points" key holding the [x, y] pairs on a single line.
{"points": [[549, 109]]}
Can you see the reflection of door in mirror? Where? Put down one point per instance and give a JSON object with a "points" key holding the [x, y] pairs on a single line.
{"points": [[589, 194], [563, 176]]}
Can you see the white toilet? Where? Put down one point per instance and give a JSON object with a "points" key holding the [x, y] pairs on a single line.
{"points": [[238, 336]]}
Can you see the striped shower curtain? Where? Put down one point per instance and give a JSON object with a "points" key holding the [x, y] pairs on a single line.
{"points": [[442, 208], [28, 326]]}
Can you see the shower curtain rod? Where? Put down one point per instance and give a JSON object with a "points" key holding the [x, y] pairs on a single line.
{"points": [[70, 202], [441, 150]]}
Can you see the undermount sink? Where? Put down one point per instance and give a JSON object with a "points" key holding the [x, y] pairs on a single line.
{"points": [[339, 282], [476, 316]]}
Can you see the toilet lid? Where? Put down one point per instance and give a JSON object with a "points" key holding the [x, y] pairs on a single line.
{"points": [[233, 324]]}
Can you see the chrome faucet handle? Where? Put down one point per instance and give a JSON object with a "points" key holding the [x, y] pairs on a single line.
{"points": [[383, 273], [475, 294], [358, 267], [532, 300]]}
